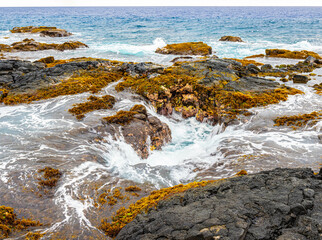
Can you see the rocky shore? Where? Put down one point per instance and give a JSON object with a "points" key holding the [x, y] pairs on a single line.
{"points": [[278, 204]]}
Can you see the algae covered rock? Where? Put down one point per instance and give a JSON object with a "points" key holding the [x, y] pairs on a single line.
{"points": [[42, 30], [231, 39], [188, 48], [276, 204], [282, 53], [31, 45], [142, 131]]}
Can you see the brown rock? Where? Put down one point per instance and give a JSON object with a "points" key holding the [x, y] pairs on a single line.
{"points": [[189, 48], [231, 39], [140, 130]]}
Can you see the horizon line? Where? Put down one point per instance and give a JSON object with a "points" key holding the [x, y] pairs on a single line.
{"points": [[173, 6]]}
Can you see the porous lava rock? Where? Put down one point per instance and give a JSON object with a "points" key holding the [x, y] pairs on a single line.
{"points": [[278, 204]]}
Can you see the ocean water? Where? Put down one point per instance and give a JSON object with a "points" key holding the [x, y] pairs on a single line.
{"points": [[43, 133], [133, 33]]}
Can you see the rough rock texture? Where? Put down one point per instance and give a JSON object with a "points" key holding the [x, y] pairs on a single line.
{"points": [[23, 75], [31, 45], [279, 204], [231, 39], [44, 31], [282, 53], [300, 79], [189, 48], [139, 129]]}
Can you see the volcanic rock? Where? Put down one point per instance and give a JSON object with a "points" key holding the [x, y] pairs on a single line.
{"points": [[279, 204]]}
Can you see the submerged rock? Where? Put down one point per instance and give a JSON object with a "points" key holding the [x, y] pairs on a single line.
{"points": [[42, 30], [189, 48], [231, 39], [277, 204], [142, 131]]}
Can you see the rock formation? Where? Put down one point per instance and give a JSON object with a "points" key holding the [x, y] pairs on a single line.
{"points": [[279, 204], [189, 48], [231, 39]]}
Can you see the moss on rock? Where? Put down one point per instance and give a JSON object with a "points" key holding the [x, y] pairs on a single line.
{"points": [[93, 103], [189, 48], [9, 222]]}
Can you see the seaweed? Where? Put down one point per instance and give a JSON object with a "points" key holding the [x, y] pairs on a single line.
{"points": [[9, 222], [125, 215], [93, 103]]}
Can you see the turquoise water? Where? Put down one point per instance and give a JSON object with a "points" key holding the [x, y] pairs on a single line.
{"points": [[134, 33]]}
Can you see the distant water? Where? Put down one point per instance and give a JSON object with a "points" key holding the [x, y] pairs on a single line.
{"points": [[133, 33]]}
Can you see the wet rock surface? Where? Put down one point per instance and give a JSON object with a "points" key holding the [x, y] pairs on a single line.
{"points": [[278, 204], [21, 75], [139, 129]]}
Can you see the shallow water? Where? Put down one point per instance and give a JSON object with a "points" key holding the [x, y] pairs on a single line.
{"points": [[44, 134]]}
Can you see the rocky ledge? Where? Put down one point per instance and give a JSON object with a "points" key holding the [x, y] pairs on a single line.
{"points": [[280, 204], [31, 45], [42, 30], [189, 48]]}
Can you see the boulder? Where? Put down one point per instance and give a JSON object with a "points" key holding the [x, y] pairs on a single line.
{"points": [[252, 68], [189, 48], [277, 204], [300, 79], [142, 131], [309, 59], [231, 39], [266, 67]]}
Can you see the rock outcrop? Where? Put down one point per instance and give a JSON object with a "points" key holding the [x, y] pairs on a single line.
{"points": [[24, 75], [282, 53], [31, 45], [231, 39], [279, 204], [142, 131], [42, 30], [189, 48]]}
